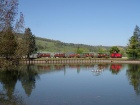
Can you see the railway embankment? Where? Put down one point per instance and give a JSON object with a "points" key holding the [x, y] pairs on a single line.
{"points": [[77, 60]]}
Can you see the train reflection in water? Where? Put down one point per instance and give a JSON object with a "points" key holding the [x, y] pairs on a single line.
{"points": [[96, 69], [115, 68]]}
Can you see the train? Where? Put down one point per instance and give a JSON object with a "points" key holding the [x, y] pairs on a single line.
{"points": [[84, 55], [112, 55], [40, 55], [116, 55]]}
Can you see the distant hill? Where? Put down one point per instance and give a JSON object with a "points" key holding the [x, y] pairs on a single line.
{"points": [[49, 45]]}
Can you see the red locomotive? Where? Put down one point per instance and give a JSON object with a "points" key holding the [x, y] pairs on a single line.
{"points": [[116, 55]]}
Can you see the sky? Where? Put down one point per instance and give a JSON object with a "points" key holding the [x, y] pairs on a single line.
{"points": [[90, 22]]}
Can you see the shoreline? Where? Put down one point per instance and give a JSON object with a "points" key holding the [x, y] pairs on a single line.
{"points": [[77, 61]]}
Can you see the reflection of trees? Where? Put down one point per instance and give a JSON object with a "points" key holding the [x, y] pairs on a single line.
{"points": [[27, 74], [78, 67], [62, 67], [9, 79], [28, 78], [115, 68], [133, 74], [16, 99], [102, 66]]}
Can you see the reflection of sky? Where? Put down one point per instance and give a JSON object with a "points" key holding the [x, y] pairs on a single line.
{"points": [[71, 86], [1, 86], [84, 88]]}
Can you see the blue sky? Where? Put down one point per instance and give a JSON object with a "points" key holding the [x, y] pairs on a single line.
{"points": [[91, 22]]}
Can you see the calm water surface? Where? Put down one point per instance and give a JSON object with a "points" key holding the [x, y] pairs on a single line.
{"points": [[92, 84]]}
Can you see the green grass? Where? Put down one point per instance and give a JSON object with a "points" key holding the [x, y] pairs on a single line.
{"points": [[82, 58], [44, 44]]}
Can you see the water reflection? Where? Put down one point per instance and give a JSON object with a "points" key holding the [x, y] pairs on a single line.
{"points": [[78, 67], [98, 69], [115, 68], [28, 75], [54, 68], [16, 99], [133, 74], [9, 80]]}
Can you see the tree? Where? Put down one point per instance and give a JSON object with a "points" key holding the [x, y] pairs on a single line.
{"points": [[114, 49], [79, 50], [133, 48], [101, 50], [8, 28], [137, 33], [19, 26], [122, 51], [8, 12], [29, 40], [8, 43], [20, 50]]}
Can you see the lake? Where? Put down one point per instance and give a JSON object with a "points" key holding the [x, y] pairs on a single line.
{"points": [[86, 84]]}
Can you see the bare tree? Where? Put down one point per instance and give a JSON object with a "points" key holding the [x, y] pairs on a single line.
{"points": [[8, 12], [19, 26]]}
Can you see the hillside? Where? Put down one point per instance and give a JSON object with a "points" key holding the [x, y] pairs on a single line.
{"points": [[48, 45]]}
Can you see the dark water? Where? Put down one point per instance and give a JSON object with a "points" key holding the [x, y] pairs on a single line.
{"points": [[91, 84]]}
